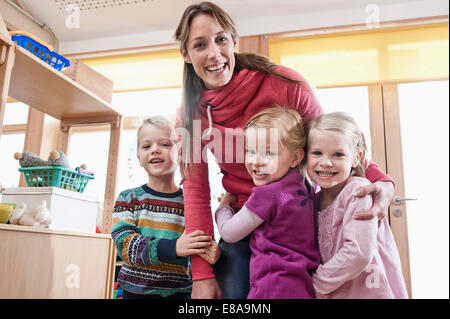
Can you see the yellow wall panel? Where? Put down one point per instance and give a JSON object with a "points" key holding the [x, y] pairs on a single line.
{"points": [[413, 53], [150, 70]]}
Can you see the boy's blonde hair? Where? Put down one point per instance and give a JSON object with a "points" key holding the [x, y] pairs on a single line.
{"points": [[289, 123], [158, 121], [343, 124]]}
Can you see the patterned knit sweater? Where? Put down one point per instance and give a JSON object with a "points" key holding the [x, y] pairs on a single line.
{"points": [[146, 226]]}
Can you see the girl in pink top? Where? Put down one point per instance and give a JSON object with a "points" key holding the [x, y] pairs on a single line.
{"points": [[359, 258], [280, 210]]}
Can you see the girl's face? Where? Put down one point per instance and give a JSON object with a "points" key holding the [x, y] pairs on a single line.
{"points": [[266, 159], [157, 152], [210, 50], [330, 158]]}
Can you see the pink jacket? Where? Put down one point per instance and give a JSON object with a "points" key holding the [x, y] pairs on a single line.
{"points": [[359, 259]]}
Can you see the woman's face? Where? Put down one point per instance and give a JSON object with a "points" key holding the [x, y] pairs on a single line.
{"points": [[210, 50]]}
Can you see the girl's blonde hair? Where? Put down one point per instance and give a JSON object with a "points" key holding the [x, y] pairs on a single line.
{"points": [[288, 122], [158, 121], [343, 124]]}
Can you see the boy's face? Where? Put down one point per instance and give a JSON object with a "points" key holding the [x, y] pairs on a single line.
{"points": [[157, 152]]}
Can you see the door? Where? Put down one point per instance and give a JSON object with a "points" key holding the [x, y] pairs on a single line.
{"points": [[365, 105], [417, 151]]}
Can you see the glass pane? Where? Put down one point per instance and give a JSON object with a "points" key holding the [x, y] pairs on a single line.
{"points": [[147, 103], [96, 144], [15, 113], [351, 100], [9, 144], [91, 148], [425, 130]]}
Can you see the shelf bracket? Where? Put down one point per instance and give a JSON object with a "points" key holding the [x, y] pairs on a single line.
{"points": [[64, 128], [3, 55], [116, 122]]}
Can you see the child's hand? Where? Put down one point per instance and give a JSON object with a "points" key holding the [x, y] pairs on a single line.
{"points": [[227, 199], [212, 253], [192, 243]]}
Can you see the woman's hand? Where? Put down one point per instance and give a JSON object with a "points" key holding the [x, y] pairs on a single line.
{"points": [[206, 289], [212, 253], [227, 199], [382, 194], [192, 244]]}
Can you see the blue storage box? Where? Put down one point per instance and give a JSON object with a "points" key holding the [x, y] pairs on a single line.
{"points": [[41, 51]]}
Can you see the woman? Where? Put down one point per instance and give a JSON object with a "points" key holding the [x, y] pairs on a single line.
{"points": [[222, 90]]}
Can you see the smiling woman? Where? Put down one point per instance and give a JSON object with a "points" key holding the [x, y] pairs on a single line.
{"points": [[210, 50], [222, 90]]}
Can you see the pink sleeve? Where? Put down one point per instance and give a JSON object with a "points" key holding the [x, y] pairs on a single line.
{"points": [[360, 239], [375, 174], [234, 227]]}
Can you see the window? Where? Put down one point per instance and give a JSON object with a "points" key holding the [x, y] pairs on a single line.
{"points": [[11, 141], [9, 144], [92, 147]]}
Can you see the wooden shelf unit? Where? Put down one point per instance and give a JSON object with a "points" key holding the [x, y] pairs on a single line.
{"points": [[44, 263], [27, 79], [35, 83]]}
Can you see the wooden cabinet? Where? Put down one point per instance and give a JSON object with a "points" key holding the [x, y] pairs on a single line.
{"points": [[27, 79], [45, 263]]}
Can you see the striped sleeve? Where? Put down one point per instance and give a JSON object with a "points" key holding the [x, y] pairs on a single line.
{"points": [[134, 249]]}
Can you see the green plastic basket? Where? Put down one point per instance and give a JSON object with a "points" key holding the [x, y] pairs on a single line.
{"points": [[57, 176]]}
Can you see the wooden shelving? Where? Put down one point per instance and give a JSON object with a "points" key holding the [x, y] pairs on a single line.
{"points": [[27, 79], [35, 83], [43, 263]]}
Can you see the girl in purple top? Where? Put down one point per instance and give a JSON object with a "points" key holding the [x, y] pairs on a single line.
{"points": [[359, 257], [280, 210]]}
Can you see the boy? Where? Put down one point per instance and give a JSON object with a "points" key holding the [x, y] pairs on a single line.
{"points": [[148, 222]]}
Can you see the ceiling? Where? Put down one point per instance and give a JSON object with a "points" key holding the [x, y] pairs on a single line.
{"points": [[109, 24]]}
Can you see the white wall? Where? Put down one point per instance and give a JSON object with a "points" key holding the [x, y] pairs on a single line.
{"points": [[341, 14]]}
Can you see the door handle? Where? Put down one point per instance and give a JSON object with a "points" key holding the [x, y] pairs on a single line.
{"points": [[398, 200]]}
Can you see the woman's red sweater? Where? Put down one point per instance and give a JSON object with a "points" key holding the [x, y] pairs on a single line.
{"points": [[231, 106]]}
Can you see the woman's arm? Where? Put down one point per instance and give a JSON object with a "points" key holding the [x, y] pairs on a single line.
{"points": [[356, 253], [197, 205], [382, 190], [197, 213], [234, 227]]}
